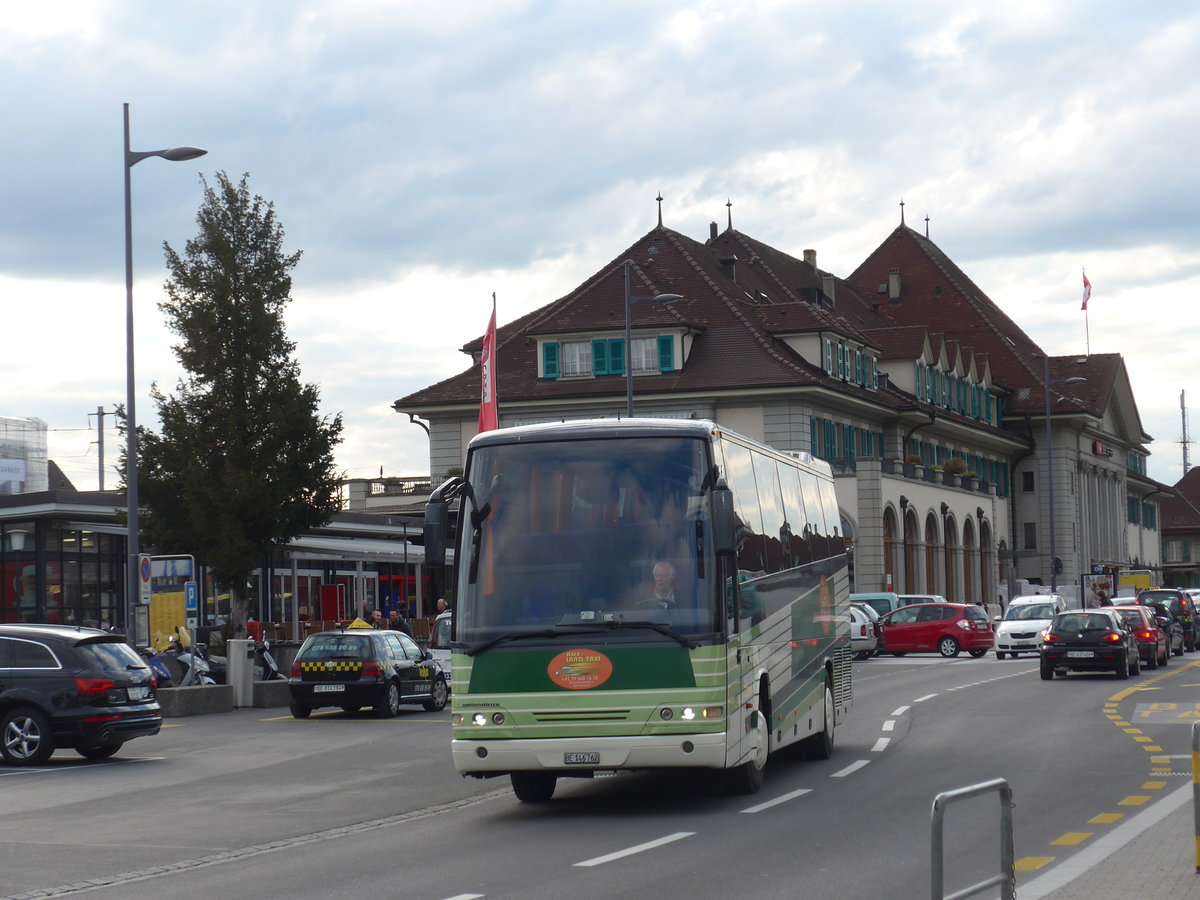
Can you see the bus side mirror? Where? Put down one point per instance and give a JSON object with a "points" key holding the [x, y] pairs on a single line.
{"points": [[724, 522], [437, 514]]}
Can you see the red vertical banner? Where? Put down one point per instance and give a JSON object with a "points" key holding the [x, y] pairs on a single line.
{"points": [[489, 414]]}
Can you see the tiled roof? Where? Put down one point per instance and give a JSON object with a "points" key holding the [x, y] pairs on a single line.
{"points": [[742, 297], [734, 315]]}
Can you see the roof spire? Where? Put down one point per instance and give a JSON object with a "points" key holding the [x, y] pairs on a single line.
{"points": [[901, 210], [926, 224], [729, 210], [659, 199]]}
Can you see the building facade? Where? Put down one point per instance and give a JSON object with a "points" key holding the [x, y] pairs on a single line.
{"points": [[928, 401]]}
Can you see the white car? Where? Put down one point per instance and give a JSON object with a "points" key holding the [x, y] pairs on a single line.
{"points": [[1020, 631], [864, 639]]}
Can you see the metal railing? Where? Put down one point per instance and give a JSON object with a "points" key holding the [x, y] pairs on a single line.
{"points": [[1007, 877]]}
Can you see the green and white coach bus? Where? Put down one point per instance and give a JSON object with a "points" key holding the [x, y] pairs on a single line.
{"points": [[640, 594]]}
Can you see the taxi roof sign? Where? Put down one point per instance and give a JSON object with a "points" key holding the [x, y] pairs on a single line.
{"points": [[360, 622]]}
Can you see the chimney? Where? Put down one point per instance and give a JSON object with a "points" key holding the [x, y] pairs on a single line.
{"points": [[712, 231], [893, 286], [728, 263], [827, 285], [810, 257]]}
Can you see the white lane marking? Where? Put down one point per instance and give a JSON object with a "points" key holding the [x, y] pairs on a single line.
{"points": [[630, 851], [80, 765], [850, 769], [889, 725], [466, 897], [926, 697], [900, 710], [783, 799], [881, 745]]}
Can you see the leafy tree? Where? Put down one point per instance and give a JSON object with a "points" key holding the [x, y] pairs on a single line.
{"points": [[244, 462]]}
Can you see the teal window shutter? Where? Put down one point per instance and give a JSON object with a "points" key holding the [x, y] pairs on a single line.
{"points": [[599, 357], [666, 353], [812, 436], [616, 356], [550, 359]]}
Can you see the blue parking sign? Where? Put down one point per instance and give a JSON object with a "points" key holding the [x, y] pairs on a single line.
{"points": [[191, 595]]}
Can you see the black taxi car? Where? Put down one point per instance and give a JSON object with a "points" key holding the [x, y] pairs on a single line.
{"points": [[76, 688], [1179, 605], [355, 667]]}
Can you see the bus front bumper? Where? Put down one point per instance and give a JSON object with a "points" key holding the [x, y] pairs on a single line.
{"points": [[564, 755]]}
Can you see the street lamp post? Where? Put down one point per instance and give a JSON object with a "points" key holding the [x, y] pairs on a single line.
{"points": [[132, 158], [1046, 385], [629, 301]]}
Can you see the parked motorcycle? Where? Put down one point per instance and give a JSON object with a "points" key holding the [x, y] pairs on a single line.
{"points": [[162, 674], [197, 668]]}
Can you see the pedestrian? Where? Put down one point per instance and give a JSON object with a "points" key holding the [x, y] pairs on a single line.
{"points": [[396, 622], [377, 620], [442, 605]]}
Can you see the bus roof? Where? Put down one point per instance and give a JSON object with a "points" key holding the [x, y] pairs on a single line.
{"points": [[587, 429]]}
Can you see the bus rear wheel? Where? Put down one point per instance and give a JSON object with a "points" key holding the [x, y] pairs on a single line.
{"points": [[820, 745], [533, 787]]}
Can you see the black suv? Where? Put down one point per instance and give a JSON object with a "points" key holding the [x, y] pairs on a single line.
{"points": [[358, 667], [64, 687], [1180, 606]]}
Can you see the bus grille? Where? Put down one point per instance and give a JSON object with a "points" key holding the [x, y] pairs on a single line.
{"points": [[843, 683], [580, 715]]}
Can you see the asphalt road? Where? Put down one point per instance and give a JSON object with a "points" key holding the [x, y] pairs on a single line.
{"points": [[255, 804]]}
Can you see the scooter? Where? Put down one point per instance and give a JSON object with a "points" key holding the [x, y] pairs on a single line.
{"points": [[162, 675], [196, 667], [266, 668]]}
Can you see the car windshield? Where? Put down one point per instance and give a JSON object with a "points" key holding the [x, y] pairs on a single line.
{"points": [[336, 646], [1028, 611]]}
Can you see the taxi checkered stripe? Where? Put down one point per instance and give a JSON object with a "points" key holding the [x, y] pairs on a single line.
{"points": [[336, 666]]}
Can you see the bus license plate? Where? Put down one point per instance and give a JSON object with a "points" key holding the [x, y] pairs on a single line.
{"points": [[581, 759], [1079, 654]]}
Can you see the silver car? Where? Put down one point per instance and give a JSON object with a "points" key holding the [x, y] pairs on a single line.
{"points": [[864, 631]]}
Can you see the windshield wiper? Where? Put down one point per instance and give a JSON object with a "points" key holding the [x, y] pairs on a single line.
{"points": [[656, 626], [520, 636]]}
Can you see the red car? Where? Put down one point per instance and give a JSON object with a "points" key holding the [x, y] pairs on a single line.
{"points": [[947, 628], [1153, 646]]}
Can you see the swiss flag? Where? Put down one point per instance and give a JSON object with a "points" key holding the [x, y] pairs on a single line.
{"points": [[1087, 290]]}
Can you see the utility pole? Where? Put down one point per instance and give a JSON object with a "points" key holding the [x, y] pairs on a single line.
{"points": [[1185, 441], [100, 414]]}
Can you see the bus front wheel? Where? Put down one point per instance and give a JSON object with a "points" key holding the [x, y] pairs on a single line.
{"points": [[533, 787], [748, 777]]}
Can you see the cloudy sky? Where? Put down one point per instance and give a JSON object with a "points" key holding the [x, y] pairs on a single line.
{"points": [[425, 155]]}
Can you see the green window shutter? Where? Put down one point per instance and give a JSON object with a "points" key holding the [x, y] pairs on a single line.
{"points": [[550, 359], [830, 430], [666, 353], [874, 374], [812, 436], [1187, 551], [828, 356], [616, 356], [599, 357]]}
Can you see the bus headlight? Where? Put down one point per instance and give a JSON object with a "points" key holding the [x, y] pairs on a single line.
{"points": [[688, 713]]}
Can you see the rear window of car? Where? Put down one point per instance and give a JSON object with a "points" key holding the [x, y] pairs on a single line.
{"points": [[1082, 622], [976, 614], [1131, 617], [116, 659], [337, 646]]}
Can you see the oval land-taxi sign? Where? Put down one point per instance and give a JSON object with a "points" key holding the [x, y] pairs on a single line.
{"points": [[580, 670]]}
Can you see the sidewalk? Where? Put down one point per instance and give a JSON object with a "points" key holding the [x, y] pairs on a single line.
{"points": [[1151, 856]]}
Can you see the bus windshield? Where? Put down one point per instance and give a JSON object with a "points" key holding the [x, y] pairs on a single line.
{"points": [[587, 534]]}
